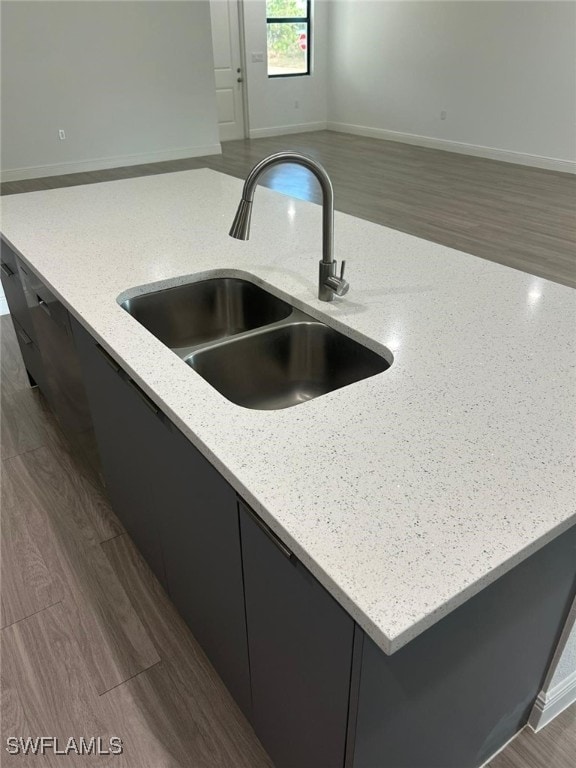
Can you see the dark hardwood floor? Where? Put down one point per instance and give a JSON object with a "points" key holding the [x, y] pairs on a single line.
{"points": [[553, 747], [512, 214], [90, 644]]}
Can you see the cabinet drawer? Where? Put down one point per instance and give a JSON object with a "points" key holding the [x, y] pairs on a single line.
{"points": [[13, 289], [41, 301], [62, 383], [30, 354], [8, 256]]}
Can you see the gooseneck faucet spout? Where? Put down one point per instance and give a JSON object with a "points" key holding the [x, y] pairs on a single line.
{"points": [[329, 282]]}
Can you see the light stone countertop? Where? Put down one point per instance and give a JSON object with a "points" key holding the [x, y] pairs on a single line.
{"points": [[405, 493]]}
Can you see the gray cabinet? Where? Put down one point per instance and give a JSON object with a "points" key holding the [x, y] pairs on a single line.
{"points": [[280, 642], [177, 508], [62, 383], [300, 642], [42, 326], [127, 428], [198, 516], [13, 290], [457, 693], [21, 317]]}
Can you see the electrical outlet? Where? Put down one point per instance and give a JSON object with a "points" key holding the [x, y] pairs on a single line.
{"points": [[443, 115], [61, 134], [296, 104], [257, 57]]}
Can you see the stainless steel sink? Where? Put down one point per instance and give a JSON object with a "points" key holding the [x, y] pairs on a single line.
{"points": [[187, 315], [285, 366], [257, 350]]}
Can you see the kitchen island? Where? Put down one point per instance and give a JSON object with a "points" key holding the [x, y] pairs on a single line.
{"points": [[405, 494]]}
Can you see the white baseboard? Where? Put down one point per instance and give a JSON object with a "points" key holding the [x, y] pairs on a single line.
{"points": [[505, 155], [551, 703], [280, 130], [99, 164]]}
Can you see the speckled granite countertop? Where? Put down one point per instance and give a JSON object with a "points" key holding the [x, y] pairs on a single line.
{"points": [[405, 493]]}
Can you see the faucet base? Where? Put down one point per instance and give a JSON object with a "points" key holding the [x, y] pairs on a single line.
{"points": [[327, 269], [329, 283]]}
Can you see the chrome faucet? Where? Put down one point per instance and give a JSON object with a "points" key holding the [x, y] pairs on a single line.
{"points": [[329, 282]]}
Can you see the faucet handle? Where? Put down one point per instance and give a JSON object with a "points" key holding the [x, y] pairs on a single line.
{"points": [[337, 284]]}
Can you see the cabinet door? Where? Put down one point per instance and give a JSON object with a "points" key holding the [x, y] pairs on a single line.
{"points": [[12, 285], [31, 356], [300, 645], [201, 545], [62, 382], [127, 427], [23, 326]]}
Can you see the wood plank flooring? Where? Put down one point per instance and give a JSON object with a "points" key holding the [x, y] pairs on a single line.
{"points": [[553, 747], [512, 214], [91, 645]]}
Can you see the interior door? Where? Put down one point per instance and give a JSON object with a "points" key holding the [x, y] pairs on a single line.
{"points": [[228, 68]]}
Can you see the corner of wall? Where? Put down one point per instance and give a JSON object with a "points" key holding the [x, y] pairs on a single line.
{"points": [[559, 689], [553, 702]]}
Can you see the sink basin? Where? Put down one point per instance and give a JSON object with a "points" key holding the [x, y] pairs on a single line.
{"points": [[255, 349], [188, 315], [286, 365]]}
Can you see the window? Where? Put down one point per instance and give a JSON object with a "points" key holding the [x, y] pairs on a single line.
{"points": [[288, 34]]}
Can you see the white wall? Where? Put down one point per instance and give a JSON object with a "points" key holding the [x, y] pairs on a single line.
{"points": [[566, 664], [559, 690], [129, 82], [132, 82], [503, 71], [271, 101]]}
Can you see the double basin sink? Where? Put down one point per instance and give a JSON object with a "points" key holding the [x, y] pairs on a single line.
{"points": [[256, 349]]}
